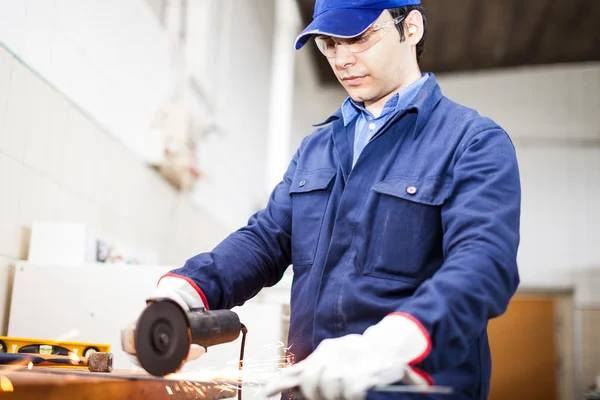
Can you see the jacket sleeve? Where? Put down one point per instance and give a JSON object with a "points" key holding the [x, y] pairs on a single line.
{"points": [[247, 260], [480, 221]]}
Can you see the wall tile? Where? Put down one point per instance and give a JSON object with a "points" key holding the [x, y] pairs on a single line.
{"points": [[58, 125], [6, 278], [38, 201], [12, 23], [104, 166], [79, 155], [72, 207], [590, 360], [37, 138], [38, 34], [10, 178], [6, 66], [18, 113]]}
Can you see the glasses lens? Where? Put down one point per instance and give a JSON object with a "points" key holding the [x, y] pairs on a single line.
{"points": [[326, 45], [358, 44], [365, 41]]}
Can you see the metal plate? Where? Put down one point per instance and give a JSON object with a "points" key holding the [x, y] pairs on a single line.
{"points": [[54, 384]]}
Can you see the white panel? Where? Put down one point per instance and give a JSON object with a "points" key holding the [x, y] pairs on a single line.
{"points": [[38, 32], [245, 126], [6, 66], [38, 199], [560, 218], [72, 207], [12, 23], [66, 69], [549, 101], [79, 145], [104, 154], [18, 113], [56, 137], [10, 178], [587, 282], [6, 278], [37, 138], [110, 57]]}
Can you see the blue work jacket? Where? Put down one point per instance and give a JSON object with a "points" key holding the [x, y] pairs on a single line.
{"points": [[426, 223]]}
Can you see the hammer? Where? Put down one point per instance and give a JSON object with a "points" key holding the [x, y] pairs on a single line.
{"points": [[96, 362]]}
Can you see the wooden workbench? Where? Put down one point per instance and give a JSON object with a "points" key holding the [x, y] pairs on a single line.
{"points": [[52, 384]]}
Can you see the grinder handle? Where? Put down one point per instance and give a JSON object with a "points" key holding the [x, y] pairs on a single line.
{"points": [[209, 328]]}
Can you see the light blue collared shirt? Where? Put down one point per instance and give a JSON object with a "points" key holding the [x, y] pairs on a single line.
{"points": [[367, 125]]}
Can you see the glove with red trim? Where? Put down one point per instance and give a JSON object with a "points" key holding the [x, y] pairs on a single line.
{"points": [[346, 367], [181, 290]]}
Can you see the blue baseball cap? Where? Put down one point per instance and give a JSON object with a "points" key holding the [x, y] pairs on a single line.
{"points": [[346, 18]]}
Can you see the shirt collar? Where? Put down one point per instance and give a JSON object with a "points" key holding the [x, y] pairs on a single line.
{"points": [[350, 108], [426, 95]]}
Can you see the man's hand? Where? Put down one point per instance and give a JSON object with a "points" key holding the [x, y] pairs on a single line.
{"points": [[184, 293], [346, 367], [180, 290]]}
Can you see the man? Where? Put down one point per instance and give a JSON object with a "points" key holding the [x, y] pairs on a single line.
{"points": [[400, 216]]}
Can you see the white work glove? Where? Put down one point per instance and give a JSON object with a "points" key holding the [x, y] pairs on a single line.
{"points": [[185, 293], [181, 290], [346, 367]]}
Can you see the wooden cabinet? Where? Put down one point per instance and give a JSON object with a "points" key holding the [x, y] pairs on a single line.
{"points": [[530, 344]]}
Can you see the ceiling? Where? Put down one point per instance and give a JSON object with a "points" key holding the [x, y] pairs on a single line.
{"points": [[468, 35]]}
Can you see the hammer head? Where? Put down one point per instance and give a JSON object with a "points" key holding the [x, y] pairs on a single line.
{"points": [[100, 362]]}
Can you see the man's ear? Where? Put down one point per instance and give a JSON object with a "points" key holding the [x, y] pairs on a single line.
{"points": [[414, 27]]}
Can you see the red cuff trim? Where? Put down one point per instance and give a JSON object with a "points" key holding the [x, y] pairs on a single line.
{"points": [[193, 284], [424, 375], [423, 331]]}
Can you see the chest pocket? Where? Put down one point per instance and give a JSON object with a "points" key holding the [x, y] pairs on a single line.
{"points": [[406, 236], [310, 191]]}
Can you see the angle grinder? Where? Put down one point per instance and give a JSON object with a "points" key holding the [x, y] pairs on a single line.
{"points": [[164, 332]]}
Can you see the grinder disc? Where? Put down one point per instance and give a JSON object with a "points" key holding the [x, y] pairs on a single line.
{"points": [[162, 338]]}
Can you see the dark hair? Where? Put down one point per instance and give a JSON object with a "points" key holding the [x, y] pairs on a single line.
{"points": [[402, 12]]}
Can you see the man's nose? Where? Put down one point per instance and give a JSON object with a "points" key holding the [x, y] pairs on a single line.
{"points": [[343, 57]]}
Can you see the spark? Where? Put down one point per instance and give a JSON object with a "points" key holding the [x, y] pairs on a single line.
{"points": [[6, 385], [169, 390], [74, 357], [254, 374]]}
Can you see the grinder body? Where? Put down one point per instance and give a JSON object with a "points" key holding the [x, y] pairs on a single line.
{"points": [[209, 328], [164, 333]]}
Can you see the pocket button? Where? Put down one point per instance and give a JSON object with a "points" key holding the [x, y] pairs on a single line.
{"points": [[411, 190]]}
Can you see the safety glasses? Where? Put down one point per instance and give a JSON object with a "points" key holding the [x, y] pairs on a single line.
{"points": [[328, 45]]}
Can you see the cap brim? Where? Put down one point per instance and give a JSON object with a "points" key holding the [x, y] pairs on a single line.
{"points": [[345, 23]]}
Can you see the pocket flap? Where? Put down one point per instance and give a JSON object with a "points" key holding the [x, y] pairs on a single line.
{"points": [[308, 181], [430, 191]]}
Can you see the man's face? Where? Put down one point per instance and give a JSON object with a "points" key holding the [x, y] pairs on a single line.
{"points": [[376, 72]]}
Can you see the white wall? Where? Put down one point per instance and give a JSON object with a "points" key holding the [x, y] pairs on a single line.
{"points": [[57, 165], [313, 102], [235, 160], [117, 63], [110, 57]]}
